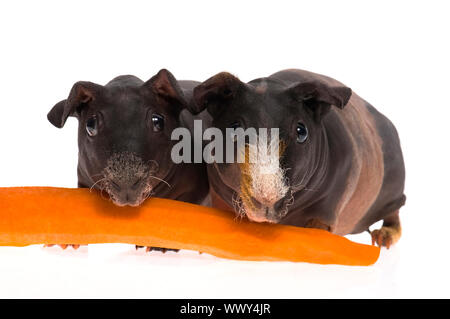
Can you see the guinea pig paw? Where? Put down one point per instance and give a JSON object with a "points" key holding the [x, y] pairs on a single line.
{"points": [[386, 236], [147, 248], [150, 248], [64, 246]]}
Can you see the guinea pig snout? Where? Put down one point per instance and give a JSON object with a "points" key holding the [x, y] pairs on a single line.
{"points": [[259, 212], [127, 192], [127, 179]]}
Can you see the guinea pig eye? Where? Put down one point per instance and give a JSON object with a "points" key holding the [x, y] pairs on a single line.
{"points": [[302, 133], [92, 126], [158, 122]]}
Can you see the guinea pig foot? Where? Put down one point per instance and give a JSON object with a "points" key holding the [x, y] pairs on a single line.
{"points": [[147, 249], [163, 250], [64, 246], [386, 236]]}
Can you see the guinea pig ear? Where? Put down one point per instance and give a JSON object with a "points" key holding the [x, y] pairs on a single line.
{"points": [[215, 93], [80, 95], [166, 89], [319, 97]]}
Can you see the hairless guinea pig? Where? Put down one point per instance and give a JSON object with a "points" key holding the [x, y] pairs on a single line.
{"points": [[339, 168], [124, 138]]}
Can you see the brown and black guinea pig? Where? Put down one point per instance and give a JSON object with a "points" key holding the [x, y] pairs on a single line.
{"points": [[340, 167]]}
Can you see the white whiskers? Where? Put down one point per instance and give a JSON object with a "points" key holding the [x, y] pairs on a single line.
{"points": [[97, 182]]}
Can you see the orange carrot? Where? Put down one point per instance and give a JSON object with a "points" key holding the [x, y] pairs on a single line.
{"points": [[46, 215]]}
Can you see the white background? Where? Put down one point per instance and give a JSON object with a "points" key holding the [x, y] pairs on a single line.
{"points": [[395, 54]]}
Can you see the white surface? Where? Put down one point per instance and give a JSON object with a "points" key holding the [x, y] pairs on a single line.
{"points": [[393, 54]]}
